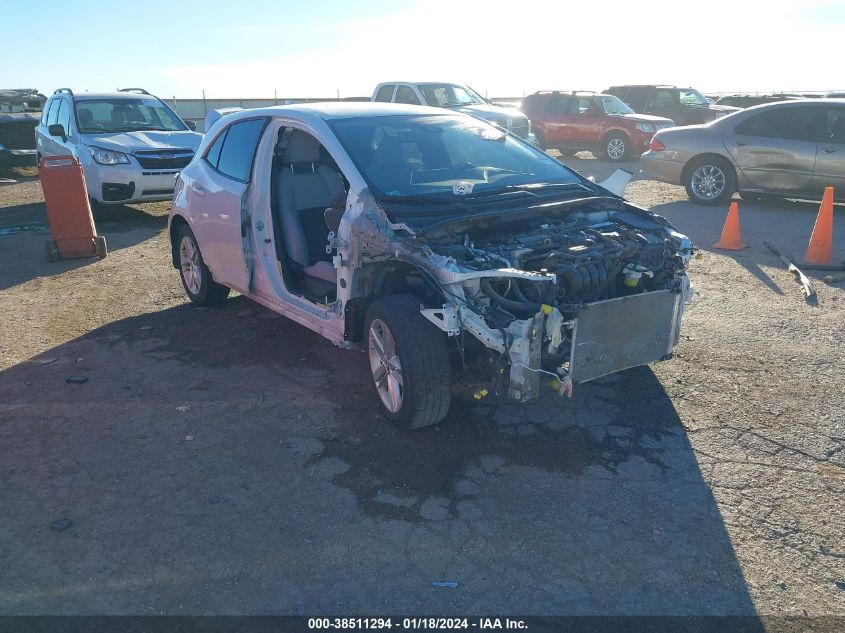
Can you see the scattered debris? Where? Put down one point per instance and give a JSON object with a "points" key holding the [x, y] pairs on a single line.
{"points": [[44, 361], [11, 230], [60, 525], [452, 584], [806, 286], [80, 359], [189, 438], [77, 380], [834, 278], [183, 407], [145, 327], [840, 584]]}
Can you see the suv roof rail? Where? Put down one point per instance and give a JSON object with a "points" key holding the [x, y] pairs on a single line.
{"points": [[568, 92], [141, 90], [65, 90]]}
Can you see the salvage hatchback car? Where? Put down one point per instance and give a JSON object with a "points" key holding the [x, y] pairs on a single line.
{"points": [[407, 230]]}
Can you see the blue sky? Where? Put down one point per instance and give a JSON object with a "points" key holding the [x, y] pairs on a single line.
{"points": [[317, 48]]}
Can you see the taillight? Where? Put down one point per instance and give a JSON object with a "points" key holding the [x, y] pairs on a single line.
{"points": [[656, 145]]}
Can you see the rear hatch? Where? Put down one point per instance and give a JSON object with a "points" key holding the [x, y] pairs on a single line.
{"points": [[17, 130]]}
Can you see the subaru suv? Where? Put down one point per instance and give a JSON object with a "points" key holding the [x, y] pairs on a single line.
{"points": [[131, 144], [573, 121], [685, 106]]}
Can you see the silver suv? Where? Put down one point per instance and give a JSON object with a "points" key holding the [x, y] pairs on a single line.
{"points": [[130, 143]]}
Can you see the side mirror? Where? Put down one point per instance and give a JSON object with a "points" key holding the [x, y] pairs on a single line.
{"points": [[57, 129], [192, 125]]}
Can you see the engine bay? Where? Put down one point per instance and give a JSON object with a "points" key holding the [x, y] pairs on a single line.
{"points": [[583, 258]]}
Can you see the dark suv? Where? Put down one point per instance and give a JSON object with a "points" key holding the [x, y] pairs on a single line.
{"points": [[685, 106], [572, 121]]}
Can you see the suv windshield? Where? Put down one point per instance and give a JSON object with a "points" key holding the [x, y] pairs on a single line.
{"points": [[446, 95], [125, 115], [433, 156], [690, 96], [614, 105]]}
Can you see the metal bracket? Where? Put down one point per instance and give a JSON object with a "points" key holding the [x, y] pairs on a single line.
{"points": [[446, 318]]}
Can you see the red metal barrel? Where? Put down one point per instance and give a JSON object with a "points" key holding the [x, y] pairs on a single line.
{"points": [[68, 210]]}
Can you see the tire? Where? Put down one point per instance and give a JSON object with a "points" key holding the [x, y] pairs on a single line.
{"points": [[196, 278], [710, 180], [415, 391], [616, 147], [540, 140], [568, 152]]}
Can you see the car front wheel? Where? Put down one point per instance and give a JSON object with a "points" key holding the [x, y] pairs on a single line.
{"points": [[710, 180], [200, 287], [616, 147], [409, 362]]}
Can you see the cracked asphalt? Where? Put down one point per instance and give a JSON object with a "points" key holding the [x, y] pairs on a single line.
{"points": [[229, 461]]}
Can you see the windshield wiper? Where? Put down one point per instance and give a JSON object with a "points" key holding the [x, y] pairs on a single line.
{"points": [[533, 188]]}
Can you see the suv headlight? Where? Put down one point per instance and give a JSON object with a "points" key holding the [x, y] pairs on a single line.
{"points": [[108, 157], [645, 127]]}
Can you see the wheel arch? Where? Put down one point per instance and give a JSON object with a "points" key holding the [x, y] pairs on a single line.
{"points": [[176, 224], [381, 280], [616, 131]]}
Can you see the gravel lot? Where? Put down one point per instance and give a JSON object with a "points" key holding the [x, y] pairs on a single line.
{"points": [[229, 461]]}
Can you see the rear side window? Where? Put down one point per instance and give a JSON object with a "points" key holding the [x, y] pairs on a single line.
{"points": [[213, 155], [636, 98], [385, 93], [797, 124], [662, 99], [558, 105], [54, 111], [405, 95], [236, 155], [46, 112], [63, 117]]}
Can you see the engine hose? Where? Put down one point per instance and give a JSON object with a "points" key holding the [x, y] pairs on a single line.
{"points": [[508, 304]]}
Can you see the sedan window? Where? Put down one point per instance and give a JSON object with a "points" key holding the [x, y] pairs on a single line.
{"points": [[834, 131], [787, 123], [385, 93]]}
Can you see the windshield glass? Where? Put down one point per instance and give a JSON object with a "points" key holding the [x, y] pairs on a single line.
{"points": [[689, 96], [125, 115], [446, 95], [425, 155], [614, 105]]}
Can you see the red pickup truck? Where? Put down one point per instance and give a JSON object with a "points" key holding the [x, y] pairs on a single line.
{"points": [[578, 120]]}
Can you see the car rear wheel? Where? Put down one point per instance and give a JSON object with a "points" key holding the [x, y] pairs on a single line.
{"points": [[200, 287], [616, 147], [710, 180], [409, 362]]}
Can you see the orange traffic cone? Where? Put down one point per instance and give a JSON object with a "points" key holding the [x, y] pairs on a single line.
{"points": [[731, 240], [819, 250]]}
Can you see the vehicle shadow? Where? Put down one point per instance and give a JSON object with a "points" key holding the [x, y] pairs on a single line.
{"points": [[24, 231], [208, 442]]}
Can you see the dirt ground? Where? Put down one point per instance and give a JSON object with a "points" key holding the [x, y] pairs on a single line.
{"points": [[229, 461]]}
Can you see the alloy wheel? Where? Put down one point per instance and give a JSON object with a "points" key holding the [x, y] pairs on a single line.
{"points": [[615, 148], [385, 365], [189, 262], [708, 182]]}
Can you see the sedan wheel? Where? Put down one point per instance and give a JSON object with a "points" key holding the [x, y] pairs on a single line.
{"points": [[710, 180]]}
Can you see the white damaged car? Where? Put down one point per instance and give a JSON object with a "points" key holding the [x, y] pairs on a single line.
{"points": [[433, 241]]}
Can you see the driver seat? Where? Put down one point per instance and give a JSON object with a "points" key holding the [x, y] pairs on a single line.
{"points": [[305, 188]]}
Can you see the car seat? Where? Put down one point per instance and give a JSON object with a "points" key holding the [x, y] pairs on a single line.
{"points": [[304, 190]]}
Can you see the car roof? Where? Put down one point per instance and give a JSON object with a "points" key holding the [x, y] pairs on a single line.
{"points": [[329, 110], [84, 96]]}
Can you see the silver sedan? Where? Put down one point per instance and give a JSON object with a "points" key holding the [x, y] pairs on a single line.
{"points": [[792, 149]]}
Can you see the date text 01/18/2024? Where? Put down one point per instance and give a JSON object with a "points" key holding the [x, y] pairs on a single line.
{"points": [[415, 624]]}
